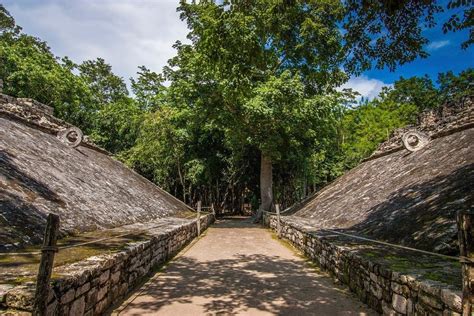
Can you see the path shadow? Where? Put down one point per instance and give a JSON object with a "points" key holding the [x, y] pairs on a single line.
{"points": [[246, 282]]}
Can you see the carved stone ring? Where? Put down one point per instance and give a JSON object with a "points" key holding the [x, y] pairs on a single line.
{"points": [[71, 136], [414, 140]]}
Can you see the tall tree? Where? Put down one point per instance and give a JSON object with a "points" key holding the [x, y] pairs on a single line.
{"points": [[257, 69]]}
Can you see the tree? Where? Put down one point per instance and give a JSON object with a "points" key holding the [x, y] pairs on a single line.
{"points": [[369, 124], [29, 69], [148, 89], [456, 88], [259, 70], [106, 87], [418, 91]]}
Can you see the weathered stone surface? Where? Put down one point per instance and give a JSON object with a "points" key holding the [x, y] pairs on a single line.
{"points": [[102, 292], [86, 187], [387, 311], [4, 288], [52, 308], [404, 198], [77, 307], [399, 303], [104, 277], [20, 298], [68, 296], [115, 277], [452, 299], [104, 288], [83, 289], [386, 291], [430, 300]]}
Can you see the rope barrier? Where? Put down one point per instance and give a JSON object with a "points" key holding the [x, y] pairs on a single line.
{"points": [[87, 242], [460, 258], [401, 247]]}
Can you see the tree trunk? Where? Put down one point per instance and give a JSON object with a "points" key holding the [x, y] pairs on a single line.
{"points": [[266, 182]]}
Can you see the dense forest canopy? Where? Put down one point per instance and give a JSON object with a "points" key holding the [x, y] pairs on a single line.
{"points": [[252, 113]]}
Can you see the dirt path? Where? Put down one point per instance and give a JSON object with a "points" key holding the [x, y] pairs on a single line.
{"points": [[238, 269]]}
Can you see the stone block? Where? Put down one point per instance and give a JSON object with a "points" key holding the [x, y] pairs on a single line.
{"points": [[448, 312], [400, 289], [399, 303], [100, 307], [410, 307], [430, 300], [104, 277], [77, 307], [52, 308], [430, 288], [387, 311], [91, 298], [115, 277], [399, 278], [376, 290], [452, 300], [68, 296], [83, 289]]}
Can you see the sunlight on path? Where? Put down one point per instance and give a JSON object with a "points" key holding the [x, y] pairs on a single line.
{"points": [[237, 268]]}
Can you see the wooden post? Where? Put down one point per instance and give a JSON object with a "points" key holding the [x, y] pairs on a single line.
{"points": [[46, 265], [465, 221], [199, 218], [277, 207]]}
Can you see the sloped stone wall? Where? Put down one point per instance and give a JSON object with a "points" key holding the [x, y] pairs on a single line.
{"points": [[85, 186], [387, 292], [91, 286]]}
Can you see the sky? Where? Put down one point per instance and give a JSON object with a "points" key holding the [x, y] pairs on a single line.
{"points": [[130, 33]]}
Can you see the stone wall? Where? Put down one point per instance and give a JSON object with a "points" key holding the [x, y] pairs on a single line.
{"points": [[91, 286], [86, 187], [387, 292]]}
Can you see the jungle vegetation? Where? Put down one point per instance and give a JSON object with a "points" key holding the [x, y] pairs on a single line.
{"points": [[252, 112]]}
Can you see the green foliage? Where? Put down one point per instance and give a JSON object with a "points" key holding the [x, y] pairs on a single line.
{"points": [[148, 89], [417, 91], [456, 88], [462, 19], [104, 85], [369, 124], [117, 125], [259, 77]]}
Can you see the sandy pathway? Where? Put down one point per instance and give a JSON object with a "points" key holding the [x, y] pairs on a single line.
{"points": [[238, 269]]}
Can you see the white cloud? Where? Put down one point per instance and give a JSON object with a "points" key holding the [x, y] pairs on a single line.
{"points": [[126, 33], [437, 45], [368, 88]]}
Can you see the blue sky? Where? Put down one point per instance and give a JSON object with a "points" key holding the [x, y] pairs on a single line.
{"points": [[446, 54], [130, 33]]}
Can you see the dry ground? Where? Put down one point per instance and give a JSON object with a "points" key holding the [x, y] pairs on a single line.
{"points": [[238, 268]]}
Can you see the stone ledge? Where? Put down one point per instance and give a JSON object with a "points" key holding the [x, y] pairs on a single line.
{"points": [[39, 116], [387, 291], [92, 285], [445, 120]]}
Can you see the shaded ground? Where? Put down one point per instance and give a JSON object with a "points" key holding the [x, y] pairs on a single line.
{"points": [[238, 268]]}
